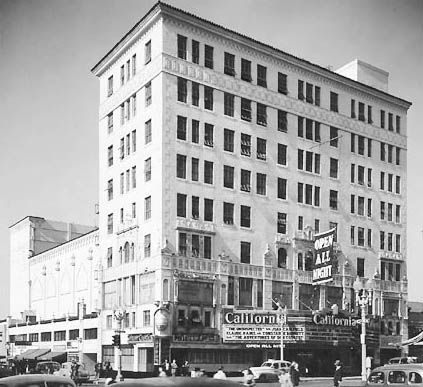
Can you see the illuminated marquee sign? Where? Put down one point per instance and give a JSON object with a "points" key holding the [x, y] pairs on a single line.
{"points": [[323, 257]]}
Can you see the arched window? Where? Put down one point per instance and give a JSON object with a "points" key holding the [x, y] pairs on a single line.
{"points": [[308, 261], [132, 251], [282, 258], [120, 255], [300, 261], [127, 253]]}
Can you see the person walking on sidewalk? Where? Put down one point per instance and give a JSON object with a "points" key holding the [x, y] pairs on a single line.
{"points": [[337, 377]]}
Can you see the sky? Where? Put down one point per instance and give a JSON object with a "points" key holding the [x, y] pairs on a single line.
{"points": [[49, 98]]}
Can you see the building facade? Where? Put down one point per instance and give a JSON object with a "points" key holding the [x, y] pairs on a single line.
{"points": [[220, 159]]}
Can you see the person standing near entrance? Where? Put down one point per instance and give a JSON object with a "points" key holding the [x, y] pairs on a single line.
{"points": [[294, 373], [337, 377], [174, 367]]}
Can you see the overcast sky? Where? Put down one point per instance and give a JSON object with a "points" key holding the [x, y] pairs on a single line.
{"points": [[49, 98]]}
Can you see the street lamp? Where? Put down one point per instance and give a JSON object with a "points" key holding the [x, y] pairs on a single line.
{"points": [[363, 298], [119, 315], [282, 320]]}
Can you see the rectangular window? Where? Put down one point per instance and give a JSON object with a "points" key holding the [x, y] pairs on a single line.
{"points": [[109, 257], [398, 124], [246, 70], [382, 240], [182, 90], [228, 213], [195, 52], [148, 133], [208, 210], [390, 153], [181, 204], [382, 180], [382, 210], [194, 169], [333, 172], [228, 176], [300, 223], [360, 174], [122, 75], [352, 235], [369, 115], [308, 194], [208, 172], [134, 141], [334, 137], [369, 237], [245, 144], [110, 123], [361, 115], [382, 119], [229, 65], [282, 188], [147, 51], [245, 252], [360, 267], [208, 56], [60, 335], [245, 109], [390, 236], [360, 206], [390, 182], [361, 145], [195, 93], [110, 189], [369, 207], [110, 86], [301, 90], [122, 148], [282, 83], [300, 126], [181, 166], [110, 224], [309, 129], [148, 94], [182, 47], [353, 108], [333, 102], [208, 98], [147, 208], [147, 246], [309, 92], [245, 216], [208, 135], [282, 154], [134, 173], [397, 244], [261, 149], [333, 199], [300, 191], [317, 196], [261, 76], [281, 225], [122, 183], [147, 169], [245, 180], [397, 184], [390, 208], [352, 204], [261, 114], [390, 121], [229, 104], [369, 147], [261, 184], [282, 121], [360, 236], [317, 95], [195, 207], [397, 154], [228, 140], [316, 226], [181, 132], [134, 210], [134, 64], [182, 244], [207, 247], [352, 142], [195, 131]]}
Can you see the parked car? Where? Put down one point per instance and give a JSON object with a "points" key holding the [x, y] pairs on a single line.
{"points": [[397, 374], [177, 382], [270, 378], [47, 367], [38, 380], [272, 365], [403, 360], [66, 371]]}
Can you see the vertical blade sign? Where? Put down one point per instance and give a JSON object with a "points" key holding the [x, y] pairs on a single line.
{"points": [[323, 257]]}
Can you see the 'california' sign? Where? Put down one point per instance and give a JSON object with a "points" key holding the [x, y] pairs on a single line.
{"points": [[323, 257]]}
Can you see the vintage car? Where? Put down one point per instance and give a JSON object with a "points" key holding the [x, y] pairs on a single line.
{"points": [[38, 380], [83, 375], [47, 367], [396, 374]]}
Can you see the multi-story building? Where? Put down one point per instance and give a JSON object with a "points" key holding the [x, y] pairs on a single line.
{"points": [[220, 159]]}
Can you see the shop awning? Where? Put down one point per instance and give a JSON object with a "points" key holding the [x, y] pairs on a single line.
{"points": [[37, 353], [412, 341], [52, 356], [24, 355]]}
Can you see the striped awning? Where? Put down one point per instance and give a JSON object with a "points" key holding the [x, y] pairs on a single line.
{"points": [[412, 341]]}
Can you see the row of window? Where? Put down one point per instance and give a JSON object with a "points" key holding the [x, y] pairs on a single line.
{"points": [[387, 182], [306, 91], [386, 212], [72, 334], [386, 241], [129, 68]]}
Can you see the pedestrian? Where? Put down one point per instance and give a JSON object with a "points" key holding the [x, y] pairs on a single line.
{"points": [[219, 374], [107, 368], [284, 379], [173, 367], [337, 377], [294, 373], [97, 368], [248, 378], [166, 367], [74, 371], [185, 368]]}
